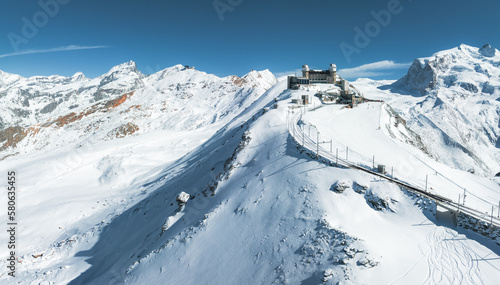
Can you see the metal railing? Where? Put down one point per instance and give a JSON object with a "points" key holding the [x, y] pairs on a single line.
{"points": [[305, 140]]}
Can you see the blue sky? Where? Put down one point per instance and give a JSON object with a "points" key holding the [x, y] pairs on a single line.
{"points": [[226, 37]]}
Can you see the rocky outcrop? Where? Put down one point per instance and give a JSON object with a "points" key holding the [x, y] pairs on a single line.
{"points": [[459, 107], [125, 130], [175, 98], [421, 76], [487, 50], [11, 136]]}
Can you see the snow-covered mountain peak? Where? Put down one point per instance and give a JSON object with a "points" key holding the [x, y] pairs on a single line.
{"points": [[164, 198], [171, 71], [122, 101], [264, 77], [129, 66], [458, 98], [475, 70], [465, 52], [142, 186], [485, 53], [8, 78], [182, 73], [125, 70], [122, 78], [78, 76]]}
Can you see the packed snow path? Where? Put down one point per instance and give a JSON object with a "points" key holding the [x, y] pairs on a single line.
{"points": [[295, 115]]}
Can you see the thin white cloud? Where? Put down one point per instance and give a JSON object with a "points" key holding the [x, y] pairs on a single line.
{"points": [[287, 73], [378, 68], [56, 49]]}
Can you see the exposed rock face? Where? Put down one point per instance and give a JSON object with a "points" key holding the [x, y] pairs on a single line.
{"points": [[340, 186], [398, 129], [421, 76], [359, 188], [118, 104], [460, 90], [29, 101], [11, 136], [182, 198], [444, 69], [126, 130], [378, 203], [487, 50]]}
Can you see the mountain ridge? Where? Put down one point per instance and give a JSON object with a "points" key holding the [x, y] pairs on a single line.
{"points": [[39, 103], [441, 69], [195, 177], [452, 100]]}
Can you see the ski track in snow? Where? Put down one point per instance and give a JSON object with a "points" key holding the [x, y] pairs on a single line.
{"points": [[447, 253]]}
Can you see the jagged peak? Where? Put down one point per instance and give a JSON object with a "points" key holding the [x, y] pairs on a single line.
{"points": [[7, 78], [174, 70], [8, 74], [77, 76], [465, 50], [178, 68], [455, 67], [129, 66], [264, 78], [256, 73], [465, 47]]}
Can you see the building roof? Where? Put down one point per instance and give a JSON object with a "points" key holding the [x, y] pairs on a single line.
{"points": [[319, 71]]}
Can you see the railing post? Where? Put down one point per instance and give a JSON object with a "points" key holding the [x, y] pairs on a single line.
{"points": [[317, 143], [426, 179], [303, 136], [491, 222]]}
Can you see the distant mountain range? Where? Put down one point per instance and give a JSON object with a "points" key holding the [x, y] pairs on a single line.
{"points": [[182, 177], [119, 103]]}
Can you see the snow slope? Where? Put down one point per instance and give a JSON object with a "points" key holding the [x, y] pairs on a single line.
{"points": [[120, 103], [87, 164], [374, 136], [452, 101], [104, 191], [261, 211], [29, 101]]}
